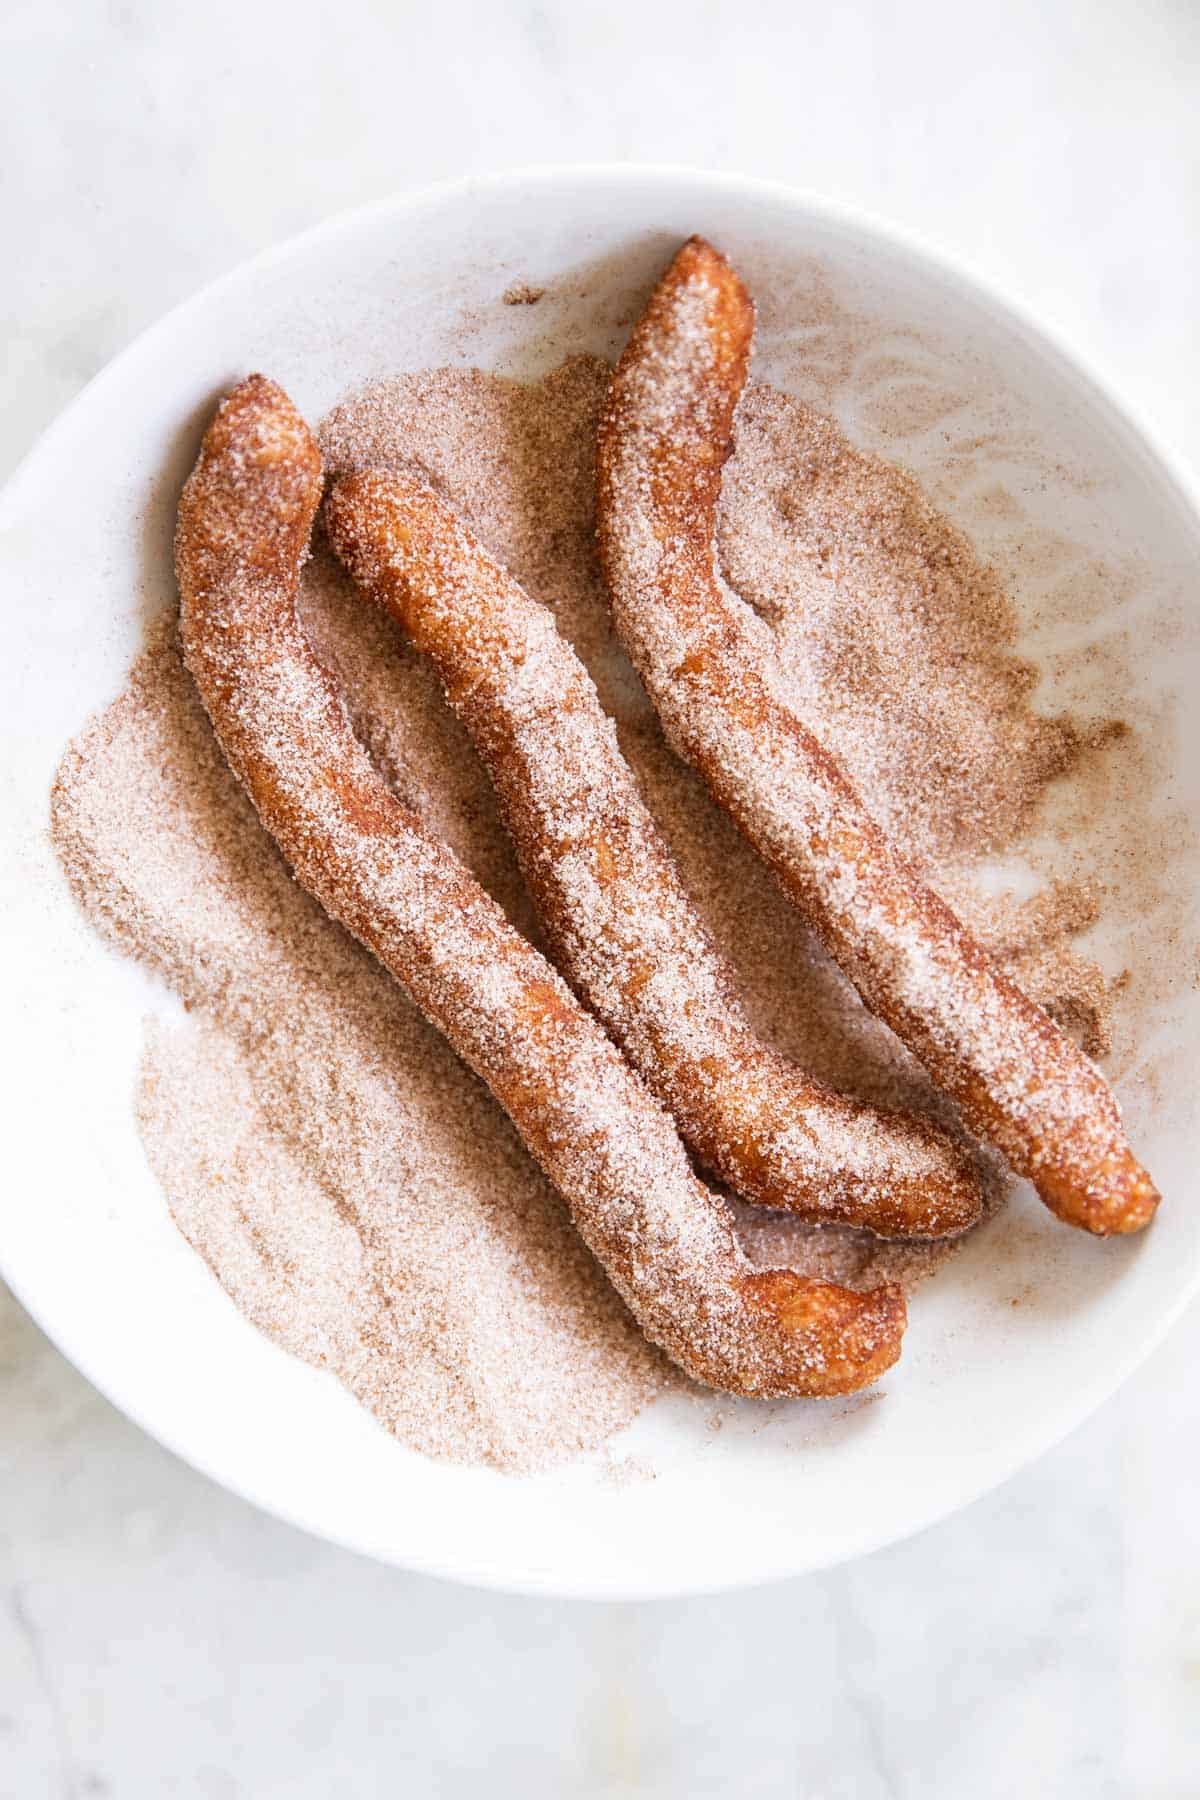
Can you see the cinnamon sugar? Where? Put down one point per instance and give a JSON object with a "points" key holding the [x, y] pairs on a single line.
{"points": [[897, 642], [356, 1191], [353, 1187]]}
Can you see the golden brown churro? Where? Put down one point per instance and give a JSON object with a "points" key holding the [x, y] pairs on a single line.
{"points": [[619, 921], [665, 1239], [665, 435]]}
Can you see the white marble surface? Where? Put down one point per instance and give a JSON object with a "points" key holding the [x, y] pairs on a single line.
{"points": [[158, 1637]]}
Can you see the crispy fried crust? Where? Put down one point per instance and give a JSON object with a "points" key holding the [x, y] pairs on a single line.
{"points": [[665, 1239], [618, 918], [666, 432]]}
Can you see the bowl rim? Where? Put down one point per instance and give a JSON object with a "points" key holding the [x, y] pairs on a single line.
{"points": [[960, 271], [1175, 471]]}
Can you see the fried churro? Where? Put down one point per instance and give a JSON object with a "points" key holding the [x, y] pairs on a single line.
{"points": [[618, 918], [705, 659]]}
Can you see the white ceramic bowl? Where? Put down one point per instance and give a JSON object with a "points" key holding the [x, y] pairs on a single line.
{"points": [[85, 1239]]}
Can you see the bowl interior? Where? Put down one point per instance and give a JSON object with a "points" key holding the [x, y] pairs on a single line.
{"points": [[1031, 1326]]}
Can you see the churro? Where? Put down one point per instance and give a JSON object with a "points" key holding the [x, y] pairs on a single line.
{"points": [[665, 1239], [618, 918], [705, 659]]}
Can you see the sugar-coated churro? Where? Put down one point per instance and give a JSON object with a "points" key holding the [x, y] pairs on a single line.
{"points": [[665, 435], [618, 918]]}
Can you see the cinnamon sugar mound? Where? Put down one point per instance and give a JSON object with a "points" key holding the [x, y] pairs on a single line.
{"points": [[896, 641], [353, 1187]]}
